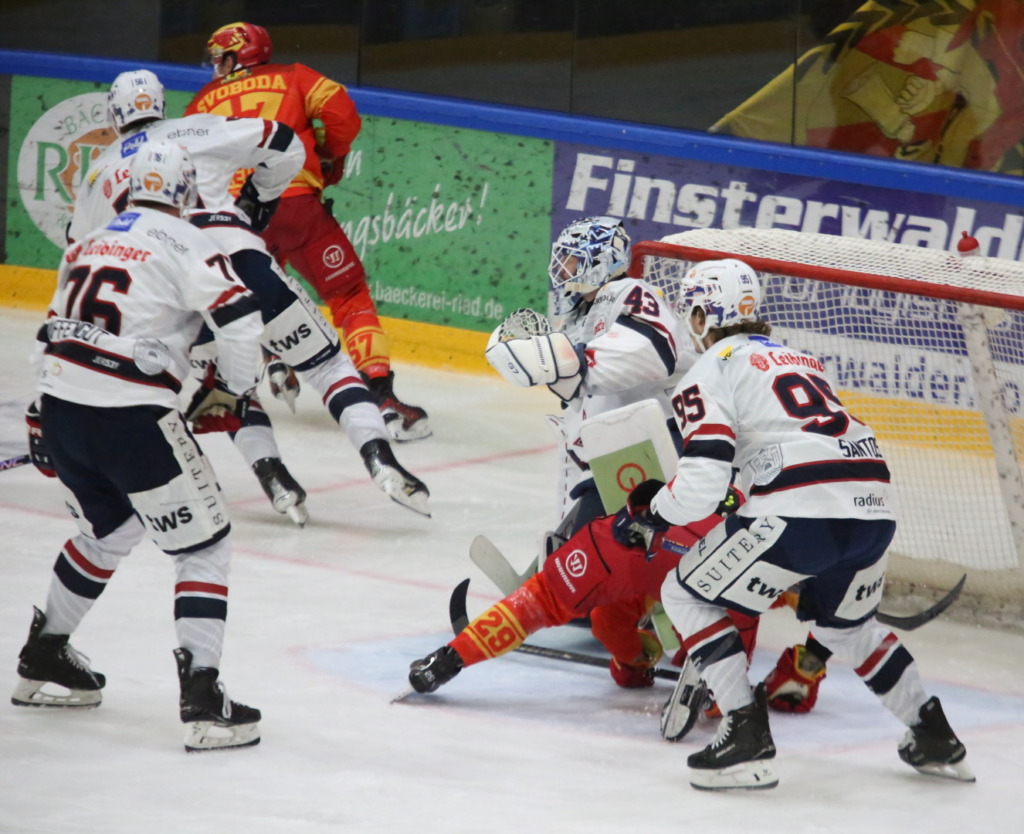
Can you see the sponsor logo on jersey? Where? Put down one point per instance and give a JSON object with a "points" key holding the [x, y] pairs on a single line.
{"points": [[801, 359], [759, 362], [576, 563], [163, 237], [334, 257], [185, 132], [871, 500], [123, 222], [132, 144]]}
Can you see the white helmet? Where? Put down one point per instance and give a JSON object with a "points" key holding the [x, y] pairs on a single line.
{"points": [[162, 172], [588, 254], [134, 96], [728, 291]]}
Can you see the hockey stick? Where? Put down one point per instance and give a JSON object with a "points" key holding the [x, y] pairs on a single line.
{"points": [[496, 567], [16, 461], [912, 621], [459, 619]]}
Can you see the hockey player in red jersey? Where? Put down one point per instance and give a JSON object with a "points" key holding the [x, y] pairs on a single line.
{"points": [[604, 572], [815, 513], [303, 232]]}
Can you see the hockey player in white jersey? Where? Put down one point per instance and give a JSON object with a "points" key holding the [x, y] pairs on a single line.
{"points": [[130, 299], [616, 344], [818, 511], [294, 328]]}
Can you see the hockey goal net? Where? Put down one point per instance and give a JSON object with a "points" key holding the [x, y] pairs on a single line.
{"points": [[927, 347]]}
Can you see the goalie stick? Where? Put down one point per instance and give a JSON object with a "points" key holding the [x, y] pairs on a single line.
{"points": [[460, 619]]}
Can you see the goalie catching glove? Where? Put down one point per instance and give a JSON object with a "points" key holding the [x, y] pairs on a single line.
{"points": [[214, 408], [543, 359]]}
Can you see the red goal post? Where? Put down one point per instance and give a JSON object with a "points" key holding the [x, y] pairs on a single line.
{"points": [[927, 347]]}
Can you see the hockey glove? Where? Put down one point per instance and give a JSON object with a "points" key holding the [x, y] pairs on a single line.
{"points": [[732, 501], [258, 211], [636, 524], [214, 408], [37, 448], [792, 686], [639, 672], [284, 384]]}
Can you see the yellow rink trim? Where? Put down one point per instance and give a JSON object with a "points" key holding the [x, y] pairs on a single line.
{"points": [[448, 348], [921, 424]]}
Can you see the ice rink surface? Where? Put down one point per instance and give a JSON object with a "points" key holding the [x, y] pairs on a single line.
{"points": [[324, 621]]}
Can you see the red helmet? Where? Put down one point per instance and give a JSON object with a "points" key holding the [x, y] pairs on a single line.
{"points": [[249, 43]]}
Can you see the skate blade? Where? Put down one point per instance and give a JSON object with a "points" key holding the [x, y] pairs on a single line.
{"points": [[417, 431], [417, 502], [748, 776], [204, 736], [298, 514], [401, 696], [392, 484], [31, 694], [960, 772]]}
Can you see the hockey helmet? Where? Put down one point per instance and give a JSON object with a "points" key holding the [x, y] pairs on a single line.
{"points": [[135, 96], [249, 43], [587, 254], [162, 172], [727, 291]]}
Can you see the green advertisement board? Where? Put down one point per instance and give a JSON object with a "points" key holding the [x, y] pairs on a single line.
{"points": [[447, 220]]}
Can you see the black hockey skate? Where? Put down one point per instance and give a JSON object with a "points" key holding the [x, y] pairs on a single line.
{"points": [[436, 669], [212, 720], [404, 422], [284, 492], [931, 747], [742, 752], [51, 659], [394, 481]]}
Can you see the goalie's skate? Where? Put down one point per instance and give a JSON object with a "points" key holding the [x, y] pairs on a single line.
{"points": [[52, 674], [931, 747], [683, 708], [740, 757], [212, 720], [392, 479], [284, 492]]}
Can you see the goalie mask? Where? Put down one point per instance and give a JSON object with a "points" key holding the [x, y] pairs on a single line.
{"points": [[249, 43], [727, 291], [135, 96], [587, 255], [162, 172]]}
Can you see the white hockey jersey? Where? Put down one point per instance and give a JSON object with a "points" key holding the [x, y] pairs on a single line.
{"points": [[770, 412], [633, 350], [148, 281], [219, 147]]}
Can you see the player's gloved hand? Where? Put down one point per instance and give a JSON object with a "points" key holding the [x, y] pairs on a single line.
{"points": [[732, 501], [638, 672], [792, 686], [636, 523], [284, 384], [37, 448], [214, 408], [258, 211]]}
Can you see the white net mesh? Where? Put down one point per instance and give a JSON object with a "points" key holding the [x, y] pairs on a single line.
{"points": [[904, 356]]}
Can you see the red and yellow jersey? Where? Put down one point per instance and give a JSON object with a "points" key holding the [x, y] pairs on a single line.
{"points": [[295, 95]]}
